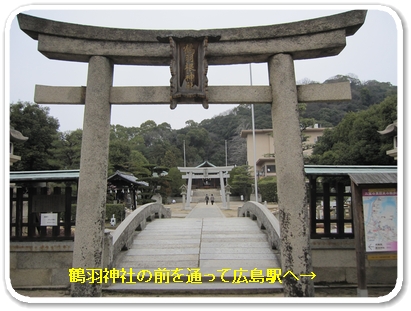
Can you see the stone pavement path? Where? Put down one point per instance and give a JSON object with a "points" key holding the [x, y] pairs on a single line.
{"points": [[202, 210], [320, 292], [206, 246]]}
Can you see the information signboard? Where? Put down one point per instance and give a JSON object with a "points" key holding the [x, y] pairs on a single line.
{"points": [[380, 219], [48, 219]]}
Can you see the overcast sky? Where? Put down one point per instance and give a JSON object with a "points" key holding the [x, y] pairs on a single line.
{"points": [[371, 54]]}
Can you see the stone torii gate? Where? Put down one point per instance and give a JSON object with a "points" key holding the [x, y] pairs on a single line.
{"points": [[205, 172], [189, 53]]}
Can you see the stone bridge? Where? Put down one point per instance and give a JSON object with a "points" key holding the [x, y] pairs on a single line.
{"points": [[203, 252]]}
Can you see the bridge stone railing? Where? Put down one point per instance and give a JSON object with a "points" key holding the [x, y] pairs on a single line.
{"points": [[122, 238], [265, 220]]}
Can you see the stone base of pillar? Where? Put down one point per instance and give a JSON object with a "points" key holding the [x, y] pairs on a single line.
{"points": [[362, 292]]}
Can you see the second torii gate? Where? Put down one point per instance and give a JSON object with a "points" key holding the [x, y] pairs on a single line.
{"points": [[220, 172], [189, 53]]}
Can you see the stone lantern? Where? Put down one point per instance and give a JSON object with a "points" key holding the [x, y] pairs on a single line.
{"points": [[184, 193], [15, 136], [391, 130]]}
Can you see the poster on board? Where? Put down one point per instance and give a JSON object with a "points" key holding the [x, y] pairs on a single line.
{"points": [[380, 219]]}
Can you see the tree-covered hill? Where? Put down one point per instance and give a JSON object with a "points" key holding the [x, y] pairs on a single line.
{"points": [[356, 140], [364, 94]]}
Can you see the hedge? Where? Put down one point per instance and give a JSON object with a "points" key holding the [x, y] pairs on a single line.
{"points": [[267, 187]]}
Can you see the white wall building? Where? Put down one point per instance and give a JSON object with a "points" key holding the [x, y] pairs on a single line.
{"points": [[264, 148]]}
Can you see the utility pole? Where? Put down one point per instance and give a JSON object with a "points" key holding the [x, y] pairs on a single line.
{"points": [[255, 164]]}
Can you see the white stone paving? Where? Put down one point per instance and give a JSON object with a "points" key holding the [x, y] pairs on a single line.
{"points": [[206, 242]]}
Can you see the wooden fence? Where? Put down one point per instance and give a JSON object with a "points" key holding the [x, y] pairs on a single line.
{"points": [[38, 215]]}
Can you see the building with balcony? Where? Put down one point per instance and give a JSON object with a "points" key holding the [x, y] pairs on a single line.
{"points": [[264, 148]]}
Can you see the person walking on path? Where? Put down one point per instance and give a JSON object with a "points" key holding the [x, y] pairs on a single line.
{"points": [[212, 199], [206, 199]]}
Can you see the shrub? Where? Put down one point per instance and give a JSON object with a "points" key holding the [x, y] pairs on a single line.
{"points": [[268, 189], [116, 209]]}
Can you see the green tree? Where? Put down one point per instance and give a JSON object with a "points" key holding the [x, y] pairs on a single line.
{"points": [[196, 142], [191, 123], [364, 94], [157, 140], [356, 141], [158, 180], [35, 123], [240, 180], [119, 156], [137, 160], [67, 150], [176, 181], [171, 158]]}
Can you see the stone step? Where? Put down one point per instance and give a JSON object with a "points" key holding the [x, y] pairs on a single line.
{"points": [[205, 287], [222, 253], [199, 195]]}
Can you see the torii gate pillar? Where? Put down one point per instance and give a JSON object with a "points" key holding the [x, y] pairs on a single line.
{"points": [[223, 197], [190, 181], [293, 212], [92, 190]]}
